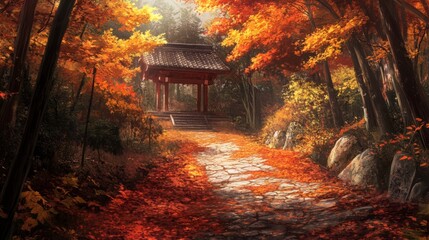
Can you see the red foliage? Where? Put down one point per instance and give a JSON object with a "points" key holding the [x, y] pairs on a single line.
{"points": [[171, 203]]}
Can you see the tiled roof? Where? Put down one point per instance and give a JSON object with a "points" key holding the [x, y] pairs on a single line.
{"points": [[175, 56]]}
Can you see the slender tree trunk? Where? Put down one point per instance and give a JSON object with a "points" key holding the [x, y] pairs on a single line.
{"points": [[88, 115], [402, 100], [404, 24], [412, 87], [253, 104], [21, 165], [250, 102], [332, 94], [79, 90], [9, 108], [337, 115], [246, 99], [368, 109], [384, 121]]}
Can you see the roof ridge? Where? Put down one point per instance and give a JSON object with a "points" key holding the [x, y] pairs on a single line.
{"points": [[188, 46]]}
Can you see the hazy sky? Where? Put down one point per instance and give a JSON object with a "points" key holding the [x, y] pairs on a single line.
{"points": [[181, 4]]}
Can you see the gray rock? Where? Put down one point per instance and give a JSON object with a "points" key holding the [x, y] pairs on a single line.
{"points": [[268, 139], [402, 173], [345, 149], [418, 191], [278, 139], [362, 170], [293, 133]]}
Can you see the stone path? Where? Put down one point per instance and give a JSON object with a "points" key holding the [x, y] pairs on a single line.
{"points": [[279, 214]]}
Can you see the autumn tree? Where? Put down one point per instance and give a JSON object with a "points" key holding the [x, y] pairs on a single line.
{"points": [[168, 24], [9, 107], [85, 45], [337, 25], [22, 163], [413, 89], [273, 28]]}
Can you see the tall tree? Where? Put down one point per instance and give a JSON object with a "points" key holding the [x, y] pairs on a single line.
{"points": [[9, 107], [332, 93], [22, 163], [188, 27], [412, 87], [168, 24]]}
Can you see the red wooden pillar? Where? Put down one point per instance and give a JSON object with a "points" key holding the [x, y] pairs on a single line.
{"points": [[199, 97], [206, 96], [158, 96], [166, 97]]}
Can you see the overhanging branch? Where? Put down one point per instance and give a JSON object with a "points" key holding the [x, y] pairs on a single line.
{"points": [[410, 8]]}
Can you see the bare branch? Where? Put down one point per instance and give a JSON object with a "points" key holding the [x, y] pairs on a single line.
{"points": [[410, 8]]}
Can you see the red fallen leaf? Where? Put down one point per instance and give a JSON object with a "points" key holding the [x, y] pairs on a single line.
{"points": [[413, 218], [419, 119], [405, 157], [3, 95], [424, 165]]}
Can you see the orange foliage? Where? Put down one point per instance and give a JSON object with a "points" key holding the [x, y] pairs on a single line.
{"points": [[89, 43], [327, 42], [266, 30]]}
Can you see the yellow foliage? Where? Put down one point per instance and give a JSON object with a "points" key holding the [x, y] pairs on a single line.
{"points": [[39, 209], [129, 16], [306, 102], [308, 99], [327, 42], [345, 82], [70, 181]]}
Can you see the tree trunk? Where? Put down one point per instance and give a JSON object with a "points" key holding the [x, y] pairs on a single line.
{"points": [[337, 116], [21, 165], [368, 109], [79, 90], [250, 103], [384, 121], [404, 23], [403, 104], [88, 115], [9, 108], [333, 101], [412, 87]]}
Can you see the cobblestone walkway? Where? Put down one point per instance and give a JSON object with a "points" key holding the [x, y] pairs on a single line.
{"points": [[279, 214]]}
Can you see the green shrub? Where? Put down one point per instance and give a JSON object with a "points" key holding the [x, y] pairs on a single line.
{"points": [[104, 135]]}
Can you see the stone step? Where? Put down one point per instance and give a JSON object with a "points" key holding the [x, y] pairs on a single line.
{"points": [[189, 121]]}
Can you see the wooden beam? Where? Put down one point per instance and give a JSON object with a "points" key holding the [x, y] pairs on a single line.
{"points": [[199, 97], [158, 97], [206, 97], [166, 90]]}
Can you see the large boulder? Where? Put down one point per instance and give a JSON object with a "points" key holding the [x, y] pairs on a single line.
{"points": [[268, 139], [362, 171], [345, 149], [293, 134], [278, 139], [402, 173], [418, 192]]}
